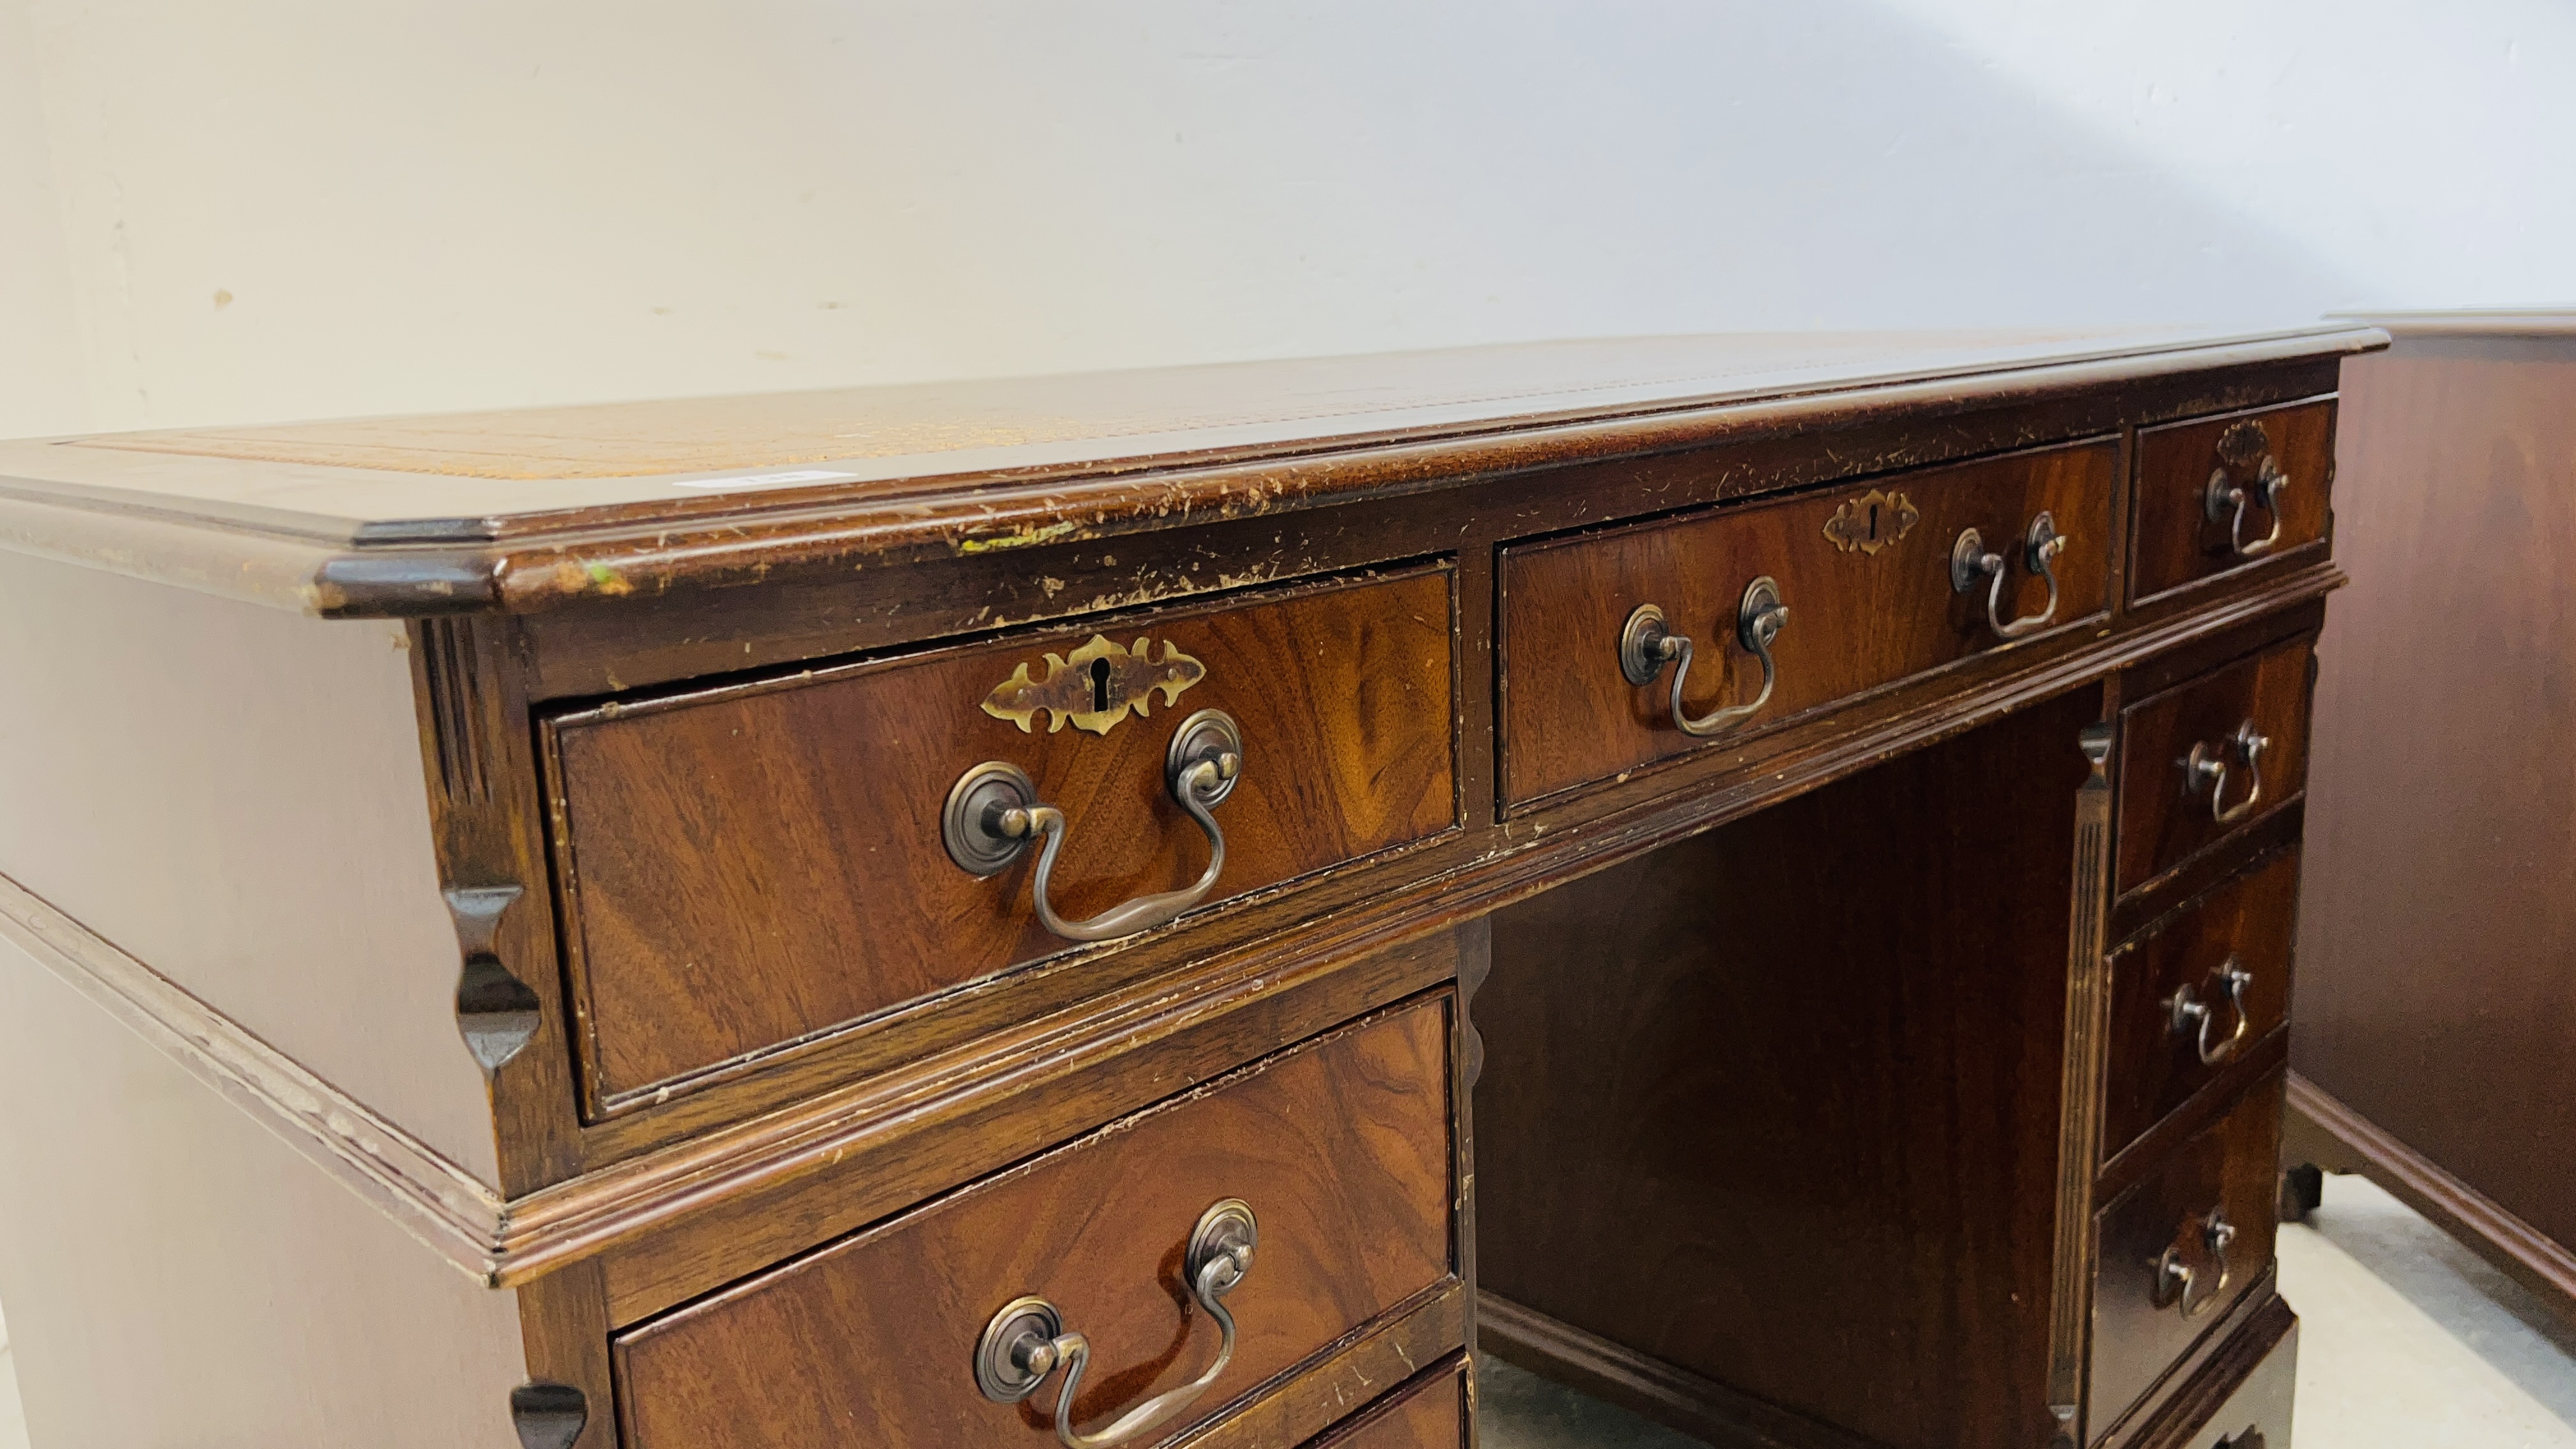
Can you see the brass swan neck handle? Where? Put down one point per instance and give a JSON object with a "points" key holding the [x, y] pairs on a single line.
{"points": [[2224, 493], [994, 812], [1027, 1340], [1647, 643], [1970, 561]]}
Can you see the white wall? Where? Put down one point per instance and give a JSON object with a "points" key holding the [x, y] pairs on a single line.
{"points": [[43, 380], [273, 208]]}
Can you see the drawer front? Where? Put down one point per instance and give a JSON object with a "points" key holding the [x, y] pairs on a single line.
{"points": [[2220, 494], [1430, 1413], [2163, 1273], [1341, 1148], [2189, 771], [2257, 1415], [749, 865], [2196, 995], [1865, 574]]}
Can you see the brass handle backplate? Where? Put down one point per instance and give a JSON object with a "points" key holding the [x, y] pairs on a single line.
{"points": [[993, 812], [2207, 765], [1970, 561], [2226, 499], [2175, 1279], [2193, 1017], [1027, 1339], [1648, 643]]}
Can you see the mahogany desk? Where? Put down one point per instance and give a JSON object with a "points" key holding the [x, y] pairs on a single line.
{"points": [[1752, 875]]}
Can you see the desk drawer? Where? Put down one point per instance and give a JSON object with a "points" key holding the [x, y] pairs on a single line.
{"points": [[2164, 1272], [2190, 768], [1865, 574], [1340, 1147], [2193, 997], [2193, 477], [747, 865]]}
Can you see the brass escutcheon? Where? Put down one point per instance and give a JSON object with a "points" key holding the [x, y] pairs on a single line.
{"points": [[1872, 521], [1095, 686]]}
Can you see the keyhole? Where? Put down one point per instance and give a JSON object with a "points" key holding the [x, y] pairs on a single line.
{"points": [[1100, 686], [1873, 521]]}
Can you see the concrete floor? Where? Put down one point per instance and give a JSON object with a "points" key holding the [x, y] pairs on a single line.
{"points": [[2408, 1339], [2405, 1340]]}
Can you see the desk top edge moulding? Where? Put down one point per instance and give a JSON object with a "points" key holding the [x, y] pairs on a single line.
{"points": [[556, 909], [523, 510]]}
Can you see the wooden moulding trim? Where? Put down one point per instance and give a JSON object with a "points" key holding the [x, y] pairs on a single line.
{"points": [[1395, 1349], [938, 517], [2082, 1079], [2177, 1419], [1672, 1396], [1445, 1378], [281, 571], [2493, 1230], [539, 562], [432, 1198]]}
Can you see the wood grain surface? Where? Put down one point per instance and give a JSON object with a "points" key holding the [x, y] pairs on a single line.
{"points": [[1319, 1396], [2231, 1166], [2259, 1414], [803, 611], [747, 866], [1675, 1397], [1342, 1147], [1778, 1105], [2155, 1068], [2176, 543], [1799, 1013], [1857, 619], [1431, 1412], [2246, 1380], [2437, 948], [2165, 813]]}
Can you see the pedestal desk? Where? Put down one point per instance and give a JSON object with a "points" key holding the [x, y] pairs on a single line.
{"points": [[1751, 875]]}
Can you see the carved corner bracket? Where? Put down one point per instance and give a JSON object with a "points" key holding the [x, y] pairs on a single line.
{"points": [[496, 1012], [548, 1415]]}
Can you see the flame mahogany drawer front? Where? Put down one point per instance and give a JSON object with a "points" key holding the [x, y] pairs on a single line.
{"points": [[2210, 756], [746, 865], [1865, 573], [2219, 494], [2196, 995], [2176, 1250], [1340, 1148]]}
